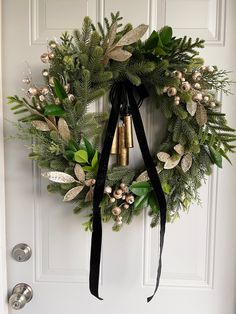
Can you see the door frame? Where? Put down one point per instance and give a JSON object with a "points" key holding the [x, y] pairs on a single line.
{"points": [[3, 265]]}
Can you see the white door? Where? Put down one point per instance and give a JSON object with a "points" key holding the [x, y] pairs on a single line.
{"points": [[200, 249]]}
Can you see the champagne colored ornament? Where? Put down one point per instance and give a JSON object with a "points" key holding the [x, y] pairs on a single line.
{"points": [[128, 132], [171, 91], [71, 97], [197, 86], [206, 98], [26, 80], [41, 98], [108, 190], [212, 104], [196, 76], [52, 44], [116, 211], [51, 55], [210, 69], [44, 57], [45, 73], [112, 200], [51, 81], [178, 74], [129, 199], [126, 206], [197, 97], [117, 194], [114, 146], [67, 88], [33, 91], [45, 91], [186, 86]]}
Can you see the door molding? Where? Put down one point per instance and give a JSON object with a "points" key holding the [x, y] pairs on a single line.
{"points": [[3, 267]]}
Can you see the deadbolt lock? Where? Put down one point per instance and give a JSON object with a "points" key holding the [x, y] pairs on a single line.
{"points": [[21, 252]]}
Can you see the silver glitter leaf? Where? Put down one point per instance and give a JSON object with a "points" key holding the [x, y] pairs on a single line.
{"points": [[58, 177], [79, 172], [162, 156], [51, 125], [72, 193], [172, 162], [89, 196], [118, 54], [63, 129], [40, 125], [191, 108], [179, 149], [186, 162], [132, 36], [143, 177], [112, 34], [201, 115]]}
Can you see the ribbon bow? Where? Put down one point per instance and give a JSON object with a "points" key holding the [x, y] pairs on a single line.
{"points": [[125, 98]]}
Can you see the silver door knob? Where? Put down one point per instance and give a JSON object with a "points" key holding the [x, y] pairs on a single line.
{"points": [[21, 252], [21, 294]]}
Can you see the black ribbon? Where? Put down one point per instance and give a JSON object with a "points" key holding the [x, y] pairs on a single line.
{"points": [[123, 97]]}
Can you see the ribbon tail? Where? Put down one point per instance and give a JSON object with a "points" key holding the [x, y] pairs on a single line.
{"points": [[153, 176], [96, 241]]}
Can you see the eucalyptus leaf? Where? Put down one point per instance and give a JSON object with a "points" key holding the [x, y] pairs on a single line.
{"points": [[59, 89]]}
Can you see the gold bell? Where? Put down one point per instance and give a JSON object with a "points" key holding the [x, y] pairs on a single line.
{"points": [[129, 143], [123, 158], [114, 146]]}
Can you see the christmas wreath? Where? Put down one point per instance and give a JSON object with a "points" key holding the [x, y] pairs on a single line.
{"points": [[97, 61]]}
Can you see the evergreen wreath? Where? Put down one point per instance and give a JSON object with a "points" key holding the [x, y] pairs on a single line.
{"points": [[82, 68]]}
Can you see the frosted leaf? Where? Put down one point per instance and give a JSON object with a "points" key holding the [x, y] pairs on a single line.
{"points": [[72, 193], [58, 177], [63, 129], [118, 54], [191, 108], [179, 149], [186, 162], [79, 172], [172, 162], [40, 125], [162, 156], [133, 35]]}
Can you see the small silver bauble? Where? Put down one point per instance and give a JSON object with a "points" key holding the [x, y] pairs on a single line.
{"points": [[44, 57], [212, 104], [203, 68], [45, 91], [165, 89], [183, 79], [26, 80], [197, 97], [171, 91], [108, 190], [122, 186], [45, 73], [118, 194], [186, 86], [126, 206], [177, 102], [71, 97], [116, 211], [112, 200], [129, 199], [33, 91]]}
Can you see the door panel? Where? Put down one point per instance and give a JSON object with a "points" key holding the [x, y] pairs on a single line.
{"points": [[199, 254]]}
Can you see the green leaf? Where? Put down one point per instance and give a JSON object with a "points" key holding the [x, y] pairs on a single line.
{"points": [[159, 51], [59, 89], [88, 168], [152, 41], [152, 202], [216, 156], [140, 188], [223, 153], [166, 188], [94, 162], [89, 148], [53, 110], [141, 201], [81, 156], [166, 34], [73, 145], [69, 154]]}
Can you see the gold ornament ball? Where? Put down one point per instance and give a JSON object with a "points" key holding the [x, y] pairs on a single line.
{"points": [[210, 69], [67, 88], [44, 57], [178, 74], [41, 98], [212, 104], [206, 98], [119, 222], [126, 206], [51, 81], [172, 91], [118, 194], [197, 86], [52, 44], [129, 199], [122, 186], [57, 102], [165, 89], [116, 211]]}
